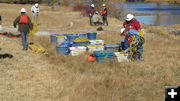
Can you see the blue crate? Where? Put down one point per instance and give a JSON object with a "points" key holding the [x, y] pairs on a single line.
{"points": [[103, 55], [66, 44], [81, 43], [71, 38], [112, 47], [82, 35]]}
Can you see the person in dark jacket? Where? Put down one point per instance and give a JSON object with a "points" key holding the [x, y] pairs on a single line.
{"points": [[104, 13], [0, 23], [91, 13], [24, 25]]}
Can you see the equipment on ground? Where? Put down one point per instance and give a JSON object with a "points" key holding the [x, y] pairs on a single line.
{"points": [[10, 35], [33, 30], [37, 48]]}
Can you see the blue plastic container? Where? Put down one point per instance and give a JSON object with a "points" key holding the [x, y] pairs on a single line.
{"points": [[103, 55], [67, 34], [82, 35], [91, 36], [114, 47], [71, 38], [81, 43], [66, 44], [53, 37], [62, 49]]}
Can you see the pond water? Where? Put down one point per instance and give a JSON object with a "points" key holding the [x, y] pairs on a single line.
{"points": [[163, 13], [158, 18]]}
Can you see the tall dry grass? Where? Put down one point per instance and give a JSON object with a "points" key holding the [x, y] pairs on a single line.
{"points": [[114, 81], [34, 77]]}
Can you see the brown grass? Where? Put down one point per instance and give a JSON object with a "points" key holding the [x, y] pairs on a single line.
{"points": [[35, 77]]}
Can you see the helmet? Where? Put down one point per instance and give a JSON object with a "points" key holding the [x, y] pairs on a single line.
{"points": [[36, 5], [129, 17], [122, 30], [103, 5], [97, 12], [92, 5], [23, 10]]}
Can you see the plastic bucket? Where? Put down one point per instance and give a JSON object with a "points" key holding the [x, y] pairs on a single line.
{"points": [[60, 39], [62, 49], [114, 47], [66, 44], [53, 38], [82, 35], [71, 38], [91, 36]]}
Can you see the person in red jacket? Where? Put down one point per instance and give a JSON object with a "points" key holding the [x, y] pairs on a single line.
{"points": [[104, 13], [24, 25], [131, 23]]}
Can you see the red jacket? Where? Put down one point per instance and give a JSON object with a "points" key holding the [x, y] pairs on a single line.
{"points": [[104, 11], [133, 24]]}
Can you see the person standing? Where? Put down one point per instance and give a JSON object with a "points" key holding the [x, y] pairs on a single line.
{"points": [[0, 23], [24, 25], [131, 23], [35, 11], [91, 13], [104, 13]]}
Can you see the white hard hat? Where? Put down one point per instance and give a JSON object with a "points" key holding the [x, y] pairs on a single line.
{"points": [[23, 10], [129, 17], [92, 5], [103, 5], [97, 12], [122, 30], [36, 5]]}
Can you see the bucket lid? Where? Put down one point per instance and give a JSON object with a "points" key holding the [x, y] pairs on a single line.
{"points": [[60, 36]]}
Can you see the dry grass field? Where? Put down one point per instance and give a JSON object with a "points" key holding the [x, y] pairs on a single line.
{"points": [[37, 77]]}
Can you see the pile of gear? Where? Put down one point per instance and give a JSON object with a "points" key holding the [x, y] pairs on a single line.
{"points": [[129, 49], [10, 35]]}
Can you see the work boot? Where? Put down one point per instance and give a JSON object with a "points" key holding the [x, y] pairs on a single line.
{"points": [[25, 49]]}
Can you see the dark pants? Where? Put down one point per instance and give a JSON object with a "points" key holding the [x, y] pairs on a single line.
{"points": [[24, 39], [90, 20], [105, 21], [97, 23], [124, 44]]}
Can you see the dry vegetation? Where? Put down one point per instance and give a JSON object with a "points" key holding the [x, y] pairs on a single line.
{"points": [[35, 77]]}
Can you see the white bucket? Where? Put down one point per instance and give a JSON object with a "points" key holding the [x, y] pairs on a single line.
{"points": [[96, 42], [122, 56], [77, 50], [60, 39]]}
